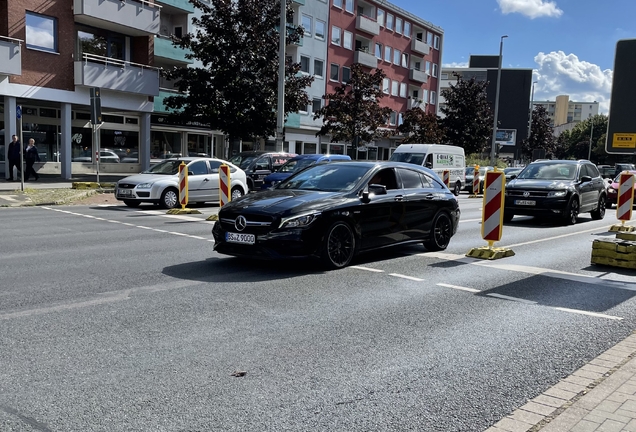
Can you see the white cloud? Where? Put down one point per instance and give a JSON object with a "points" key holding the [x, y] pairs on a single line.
{"points": [[455, 65], [530, 8], [561, 74]]}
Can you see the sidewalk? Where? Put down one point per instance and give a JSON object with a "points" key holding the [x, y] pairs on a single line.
{"points": [[600, 396]]}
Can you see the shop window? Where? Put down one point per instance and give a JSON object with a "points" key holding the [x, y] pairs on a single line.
{"points": [[164, 144], [123, 143]]}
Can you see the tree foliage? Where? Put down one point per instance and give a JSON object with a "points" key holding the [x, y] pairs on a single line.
{"points": [[236, 84], [468, 117], [575, 143], [352, 112], [421, 127], [541, 134]]}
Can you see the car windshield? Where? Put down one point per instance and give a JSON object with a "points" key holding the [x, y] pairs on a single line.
{"points": [[552, 171], [511, 170], [169, 167], [293, 165], [327, 178], [243, 160], [412, 158]]}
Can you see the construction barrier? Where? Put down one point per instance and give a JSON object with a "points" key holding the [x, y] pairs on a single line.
{"points": [[614, 252], [624, 202], [446, 178], [224, 185], [476, 181], [492, 217], [183, 192]]}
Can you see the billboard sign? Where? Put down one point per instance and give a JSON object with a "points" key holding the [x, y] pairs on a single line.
{"points": [[621, 129], [506, 137]]}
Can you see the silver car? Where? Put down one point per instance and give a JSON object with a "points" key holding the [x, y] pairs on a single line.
{"points": [[159, 185]]}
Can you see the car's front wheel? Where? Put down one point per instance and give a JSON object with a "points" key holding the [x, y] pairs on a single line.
{"points": [[457, 189], [441, 232], [599, 213], [132, 203], [572, 211], [236, 193], [339, 245], [169, 198]]}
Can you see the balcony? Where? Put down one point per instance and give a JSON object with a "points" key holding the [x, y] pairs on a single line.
{"points": [[182, 5], [367, 25], [166, 52], [118, 75], [159, 106], [416, 103], [420, 47], [417, 75], [365, 59], [10, 56], [130, 17], [300, 2]]}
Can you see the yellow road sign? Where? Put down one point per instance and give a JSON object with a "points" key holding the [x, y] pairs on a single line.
{"points": [[624, 140]]}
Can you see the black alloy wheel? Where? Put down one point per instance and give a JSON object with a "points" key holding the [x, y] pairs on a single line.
{"points": [[457, 189], [339, 245], [599, 213], [441, 232], [572, 212]]}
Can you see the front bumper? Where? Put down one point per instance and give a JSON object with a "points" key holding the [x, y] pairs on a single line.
{"points": [[134, 194], [542, 206]]}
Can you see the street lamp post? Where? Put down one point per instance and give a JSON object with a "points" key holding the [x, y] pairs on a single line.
{"points": [[589, 151], [531, 109], [494, 128], [280, 115]]}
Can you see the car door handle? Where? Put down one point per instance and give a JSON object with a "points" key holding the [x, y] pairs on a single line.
{"points": [[399, 198], [430, 196], [206, 179]]}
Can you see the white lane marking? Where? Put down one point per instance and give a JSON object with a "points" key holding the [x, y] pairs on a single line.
{"points": [[406, 277], [442, 255], [515, 299], [552, 238], [132, 225], [469, 220], [457, 287], [368, 269], [594, 314], [178, 217]]}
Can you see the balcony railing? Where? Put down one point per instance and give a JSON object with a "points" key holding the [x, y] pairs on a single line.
{"points": [[131, 17], [418, 75], [115, 74], [420, 47], [164, 48], [363, 57], [367, 25], [10, 56]]}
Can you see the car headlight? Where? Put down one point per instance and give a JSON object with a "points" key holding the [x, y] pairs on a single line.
{"points": [[557, 194], [299, 221], [144, 186], [611, 190]]}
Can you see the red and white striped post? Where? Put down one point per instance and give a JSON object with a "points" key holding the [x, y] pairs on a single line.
{"points": [[183, 185], [446, 178], [492, 213], [224, 185], [625, 199], [476, 181]]}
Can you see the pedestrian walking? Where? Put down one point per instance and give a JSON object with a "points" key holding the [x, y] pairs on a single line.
{"points": [[14, 157], [31, 156]]}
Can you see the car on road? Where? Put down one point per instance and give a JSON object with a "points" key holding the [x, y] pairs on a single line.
{"points": [[159, 184], [259, 164], [557, 189], [470, 175], [511, 172], [334, 211], [296, 164], [612, 189]]}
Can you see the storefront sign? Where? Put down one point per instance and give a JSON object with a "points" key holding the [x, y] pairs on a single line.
{"points": [[170, 121]]}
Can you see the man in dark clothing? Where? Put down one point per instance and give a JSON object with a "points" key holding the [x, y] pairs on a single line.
{"points": [[31, 156], [14, 157]]}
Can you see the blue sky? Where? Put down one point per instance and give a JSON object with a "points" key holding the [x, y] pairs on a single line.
{"points": [[570, 44]]}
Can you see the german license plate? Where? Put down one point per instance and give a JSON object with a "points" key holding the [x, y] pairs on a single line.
{"points": [[231, 237], [525, 202], [125, 192]]}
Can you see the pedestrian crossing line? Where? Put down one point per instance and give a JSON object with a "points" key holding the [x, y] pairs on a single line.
{"points": [[457, 287]]}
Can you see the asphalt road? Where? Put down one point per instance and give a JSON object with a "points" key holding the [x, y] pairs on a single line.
{"points": [[117, 319]]}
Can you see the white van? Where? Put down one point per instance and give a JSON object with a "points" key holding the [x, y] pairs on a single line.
{"points": [[438, 157]]}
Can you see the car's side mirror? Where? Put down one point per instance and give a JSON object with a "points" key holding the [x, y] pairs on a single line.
{"points": [[190, 173], [377, 189], [514, 176], [586, 178], [428, 165], [364, 196]]}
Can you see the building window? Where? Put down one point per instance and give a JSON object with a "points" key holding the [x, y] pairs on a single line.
{"points": [[402, 90], [396, 56], [100, 43], [428, 68], [337, 3], [385, 85], [405, 60], [392, 118], [394, 88], [380, 17], [429, 38], [334, 73], [387, 54], [398, 25], [349, 6], [335, 35], [389, 22], [435, 67], [41, 32], [319, 69], [346, 75], [407, 29], [378, 51], [433, 98], [425, 95], [316, 105], [348, 40], [320, 29], [306, 23], [400, 120], [436, 42], [304, 64]]}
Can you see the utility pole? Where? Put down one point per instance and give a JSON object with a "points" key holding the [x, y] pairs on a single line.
{"points": [[531, 110], [589, 152], [280, 115], [494, 128]]}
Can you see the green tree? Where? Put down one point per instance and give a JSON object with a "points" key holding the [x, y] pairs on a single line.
{"points": [[352, 112], [235, 88], [468, 118], [419, 126], [541, 134], [575, 143]]}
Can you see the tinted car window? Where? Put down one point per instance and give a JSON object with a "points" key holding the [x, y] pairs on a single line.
{"points": [[214, 166], [593, 171], [329, 177], [169, 167], [262, 163], [198, 168], [414, 158], [294, 165], [410, 179]]}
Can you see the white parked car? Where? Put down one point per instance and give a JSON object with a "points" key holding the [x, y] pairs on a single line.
{"points": [[159, 185], [105, 156]]}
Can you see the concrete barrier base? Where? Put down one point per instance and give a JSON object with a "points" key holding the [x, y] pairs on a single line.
{"points": [[614, 252], [621, 228], [214, 217], [180, 211], [475, 196], [489, 253]]}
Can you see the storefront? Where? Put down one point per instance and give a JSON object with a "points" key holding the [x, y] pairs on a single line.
{"points": [[186, 139]]}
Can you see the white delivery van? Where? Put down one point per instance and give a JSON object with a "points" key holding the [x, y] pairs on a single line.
{"points": [[438, 157]]}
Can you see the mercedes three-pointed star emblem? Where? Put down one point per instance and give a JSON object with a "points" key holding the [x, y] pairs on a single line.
{"points": [[240, 223]]}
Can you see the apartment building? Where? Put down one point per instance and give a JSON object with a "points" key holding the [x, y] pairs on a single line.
{"points": [[562, 111]]}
